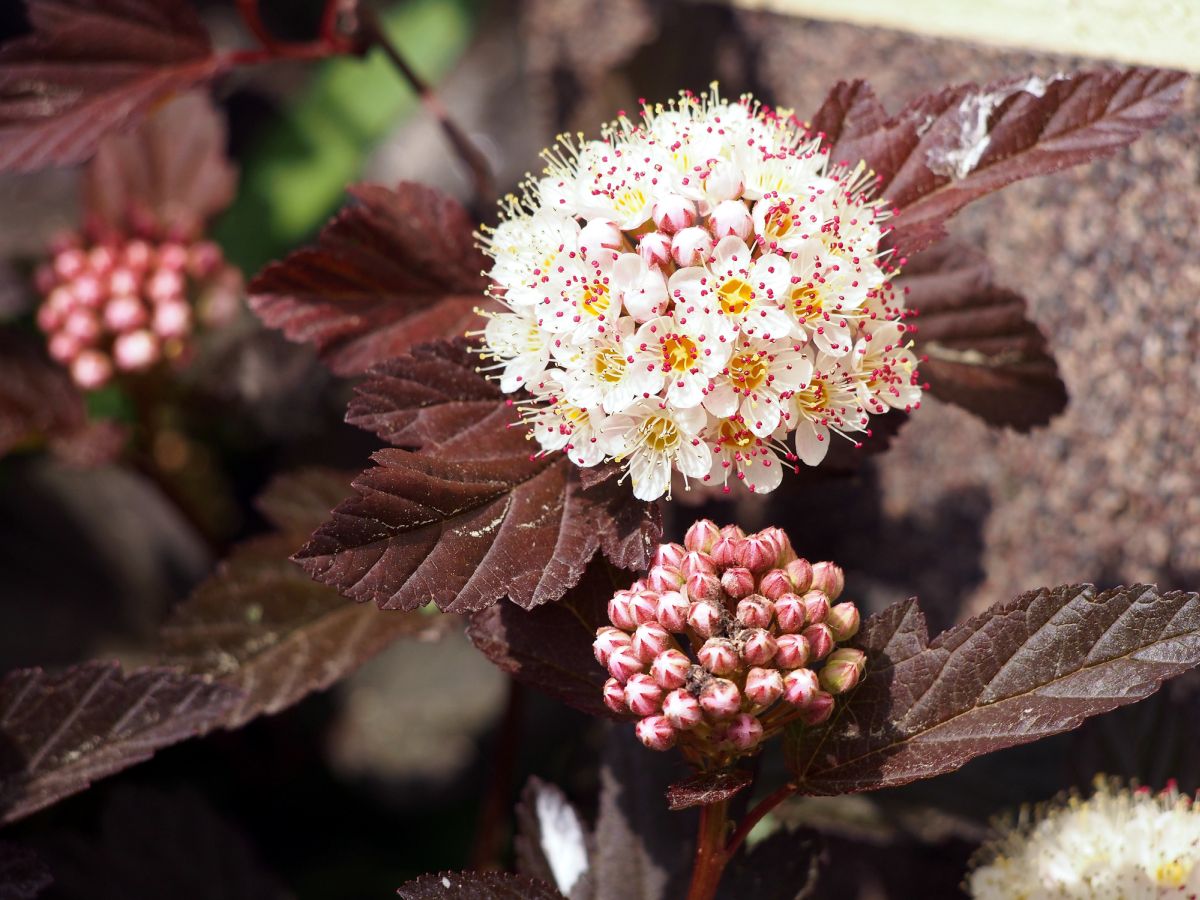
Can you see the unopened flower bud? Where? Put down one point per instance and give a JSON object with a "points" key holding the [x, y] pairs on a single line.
{"points": [[842, 670], [642, 695], [718, 656], [607, 640], [614, 696], [701, 536], [165, 284], [88, 291], [744, 732], [800, 686], [619, 612], [720, 699], [624, 663], [731, 217], [682, 710], [204, 259], [799, 571], [643, 606], [754, 612], [91, 369], [733, 532], [123, 282], [816, 606], [673, 213], [725, 550], [656, 733], [691, 246], [82, 325], [668, 555], [818, 709], [137, 255], [759, 648], [672, 611], [738, 582], [697, 561], [843, 621], [723, 181], [670, 669], [655, 249], [820, 640], [649, 640], [125, 313], [703, 586], [664, 578], [792, 651], [774, 584], [764, 686], [172, 256], [790, 613], [782, 543], [704, 618], [829, 578], [69, 263], [101, 260], [599, 236], [172, 318], [64, 348], [756, 554]]}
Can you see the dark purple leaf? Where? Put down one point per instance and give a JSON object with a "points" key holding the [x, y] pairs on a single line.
{"points": [[262, 626], [707, 787], [37, 398], [1037, 665], [550, 647], [477, 886], [979, 350], [168, 175], [396, 269], [23, 874], [787, 865], [61, 732], [552, 843], [90, 67], [946, 149]]}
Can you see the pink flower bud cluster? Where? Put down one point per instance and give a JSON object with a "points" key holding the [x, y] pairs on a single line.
{"points": [[728, 638], [128, 305]]}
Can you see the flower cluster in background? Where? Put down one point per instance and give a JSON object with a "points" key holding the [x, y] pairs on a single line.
{"points": [[727, 639], [126, 305], [1135, 845], [691, 291]]}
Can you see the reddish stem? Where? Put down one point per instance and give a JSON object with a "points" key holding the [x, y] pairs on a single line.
{"points": [[755, 816], [710, 859], [254, 22], [490, 829]]}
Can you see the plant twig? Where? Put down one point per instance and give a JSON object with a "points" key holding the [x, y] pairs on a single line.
{"points": [[372, 33], [710, 858], [489, 831], [755, 816], [254, 22]]}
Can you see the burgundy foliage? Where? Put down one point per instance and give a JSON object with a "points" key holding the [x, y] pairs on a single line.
{"points": [[23, 874], [92, 66], [1034, 666], [396, 269], [708, 787]]}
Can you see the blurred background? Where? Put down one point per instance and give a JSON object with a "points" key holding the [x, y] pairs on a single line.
{"points": [[384, 777]]}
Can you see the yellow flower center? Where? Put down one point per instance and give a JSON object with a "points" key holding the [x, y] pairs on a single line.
{"points": [[806, 302], [679, 352], [735, 296], [610, 365], [733, 434], [779, 222], [596, 299], [813, 398], [1172, 874], [748, 370], [630, 201], [660, 434]]}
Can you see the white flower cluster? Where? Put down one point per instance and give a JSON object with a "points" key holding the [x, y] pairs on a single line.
{"points": [[689, 290], [1116, 844]]}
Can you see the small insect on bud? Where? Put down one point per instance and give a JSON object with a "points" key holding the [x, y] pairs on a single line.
{"points": [[702, 586], [668, 555], [842, 670], [643, 606], [738, 582], [816, 606], [720, 699], [697, 562], [763, 687], [704, 618], [790, 614], [778, 538], [691, 246], [744, 732], [754, 612], [756, 554], [800, 686], [673, 213], [614, 696], [91, 369], [643, 695], [655, 249], [682, 710], [759, 648], [843, 621], [800, 573], [718, 656], [136, 350], [774, 584], [664, 578], [670, 669], [818, 709], [792, 651], [701, 536], [731, 217], [623, 663], [619, 612], [829, 578], [820, 640], [672, 611], [649, 640], [607, 640], [656, 733]]}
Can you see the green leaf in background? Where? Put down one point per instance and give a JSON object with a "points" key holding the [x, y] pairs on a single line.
{"points": [[296, 174]]}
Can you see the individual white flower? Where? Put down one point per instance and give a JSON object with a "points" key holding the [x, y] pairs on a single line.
{"points": [[757, 381], [653, 440], [521, 347], [736, 292], [739, 453], [828, 405], [607, 373], [884, 368], [1132, 845], [687, 355], [827, 288], [527, 251]]}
